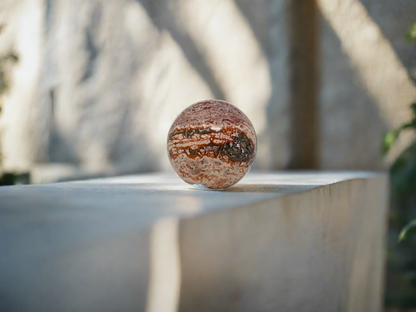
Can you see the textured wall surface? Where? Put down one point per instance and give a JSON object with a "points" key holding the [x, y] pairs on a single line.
{"points": [[367, 78], [100, 82]]}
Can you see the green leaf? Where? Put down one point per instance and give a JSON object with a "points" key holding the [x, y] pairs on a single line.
{"points": [[408, 125], [9, 57], [413, 107], [389, 139], [411, 33], [408, 231], [403, 174], [391, 136]]}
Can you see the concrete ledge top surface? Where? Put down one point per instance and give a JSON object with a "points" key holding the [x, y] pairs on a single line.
{"points": [[81, 211], [164, 193], [166, 190]]}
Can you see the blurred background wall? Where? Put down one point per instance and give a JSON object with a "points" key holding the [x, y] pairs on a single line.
{"points": [[368, 73], [95, 85]]}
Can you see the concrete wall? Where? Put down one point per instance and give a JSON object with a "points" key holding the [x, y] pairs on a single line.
{"points": [[291, 242], [367, 78], [98, 83], [104, 80]]}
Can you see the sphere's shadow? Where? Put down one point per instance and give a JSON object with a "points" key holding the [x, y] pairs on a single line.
{"points": [[261, 188]]}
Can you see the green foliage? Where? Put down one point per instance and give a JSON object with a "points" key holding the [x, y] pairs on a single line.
{"points": [[401, 265], [411, 33], [4, 81], [403, 170], [403, 174], [392, 135], [408, 231], [14, 178], [389, 139], [413, 108]]}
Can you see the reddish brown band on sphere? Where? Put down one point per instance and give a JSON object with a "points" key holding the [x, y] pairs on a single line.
{"points": [[212, 143]]}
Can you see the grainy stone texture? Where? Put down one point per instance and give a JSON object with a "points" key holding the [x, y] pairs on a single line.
{"points": [[273, 242], [100, 82], [367, 79], [212, 143], [93, 75]]}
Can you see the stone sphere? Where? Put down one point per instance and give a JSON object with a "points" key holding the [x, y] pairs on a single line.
{"points": [[212, 144]]}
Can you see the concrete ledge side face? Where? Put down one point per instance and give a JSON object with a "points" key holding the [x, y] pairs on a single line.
{"points": [[367, 247], [321, 250], [109, 276]]}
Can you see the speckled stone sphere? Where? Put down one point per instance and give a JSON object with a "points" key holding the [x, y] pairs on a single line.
{"points": [[212, 144]]}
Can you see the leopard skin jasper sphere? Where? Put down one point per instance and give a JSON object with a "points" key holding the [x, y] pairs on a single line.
{"points": [[212, 143]]}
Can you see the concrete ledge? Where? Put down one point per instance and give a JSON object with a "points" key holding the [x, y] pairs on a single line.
{"points": [[274, 242]]}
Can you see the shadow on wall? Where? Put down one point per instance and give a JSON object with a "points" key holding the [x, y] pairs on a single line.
{"points": [[113, 76], [393, 20], [222, 48], [351, 123], [269, 24], [366, 88]]}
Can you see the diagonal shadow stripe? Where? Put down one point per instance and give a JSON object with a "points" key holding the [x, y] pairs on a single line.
{"points": [[166, 22]]}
